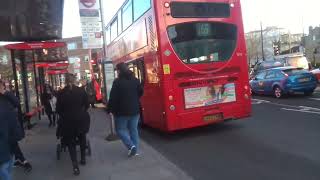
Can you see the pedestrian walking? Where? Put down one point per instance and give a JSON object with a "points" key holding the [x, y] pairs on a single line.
{"points": [[53, 105], [10, 133], [45, 99], [124, 105], [91, 92], [74, 122], [19, 158]]}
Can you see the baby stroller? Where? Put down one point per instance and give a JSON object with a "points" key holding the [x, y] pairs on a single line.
{"points": [[62, 147]]}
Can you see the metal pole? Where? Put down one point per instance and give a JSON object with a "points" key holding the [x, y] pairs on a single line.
{"points": [[112, 136], [104, 51], [36, 83], [16, 84], [262, 48], [25, 82]]}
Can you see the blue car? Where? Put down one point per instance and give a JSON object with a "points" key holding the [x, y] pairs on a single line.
{"points": [[283, 80]]}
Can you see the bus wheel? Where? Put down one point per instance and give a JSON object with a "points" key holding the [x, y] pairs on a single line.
{"points": [[277, 92]]}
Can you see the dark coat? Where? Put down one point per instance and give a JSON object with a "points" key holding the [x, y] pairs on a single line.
{"points": [[125, 96], [45, 99], [72, 106], [10, 129], [91, 92]]}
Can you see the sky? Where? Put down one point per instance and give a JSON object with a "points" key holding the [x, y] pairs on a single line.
{"points": [[293, 15]]}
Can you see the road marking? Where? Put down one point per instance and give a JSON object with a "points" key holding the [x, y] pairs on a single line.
{"points": [[303, 109], [317, 99], [259, 101], [309, 108], [300, 110]]}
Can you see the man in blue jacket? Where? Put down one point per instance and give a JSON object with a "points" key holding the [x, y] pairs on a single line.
{"points": [[10, 132]]}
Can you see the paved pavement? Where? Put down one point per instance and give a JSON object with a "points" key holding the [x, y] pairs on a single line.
{"points": [[109, 160]]}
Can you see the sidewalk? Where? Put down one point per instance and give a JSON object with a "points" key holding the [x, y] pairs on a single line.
{"points": [[109, 160]]}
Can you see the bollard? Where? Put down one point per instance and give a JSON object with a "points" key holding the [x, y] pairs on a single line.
{"points": [[113, 135]]}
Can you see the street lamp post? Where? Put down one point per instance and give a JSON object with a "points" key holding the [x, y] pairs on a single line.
{"points": [[262, 48]]}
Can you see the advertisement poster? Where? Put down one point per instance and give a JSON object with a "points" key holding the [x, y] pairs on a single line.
{"points": [[90, 24], [209, 95], [109, 77]]}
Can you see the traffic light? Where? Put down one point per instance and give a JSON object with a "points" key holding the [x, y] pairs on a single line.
{"points": [[276, 48]]}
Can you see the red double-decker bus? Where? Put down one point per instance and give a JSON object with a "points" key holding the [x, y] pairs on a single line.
{"points": [[190, 56]]}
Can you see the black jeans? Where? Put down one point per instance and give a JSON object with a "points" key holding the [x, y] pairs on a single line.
{"points": [[18, 155], [81, 139], [52, 118]]}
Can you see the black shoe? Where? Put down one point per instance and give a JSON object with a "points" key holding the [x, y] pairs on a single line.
{"points": [[76, 171], [18, 163], [27, 167]]}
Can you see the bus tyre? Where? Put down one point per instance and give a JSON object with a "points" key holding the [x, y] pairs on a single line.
{"points": [[277, 92]]}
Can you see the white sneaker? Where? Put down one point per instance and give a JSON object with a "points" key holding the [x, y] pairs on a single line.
{"points": [[132, 151]]}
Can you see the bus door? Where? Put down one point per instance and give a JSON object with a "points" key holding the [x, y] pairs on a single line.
{"points": [[150, 99]]}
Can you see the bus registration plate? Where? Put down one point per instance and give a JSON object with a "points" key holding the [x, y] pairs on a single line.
{"points": [[212, 118]]}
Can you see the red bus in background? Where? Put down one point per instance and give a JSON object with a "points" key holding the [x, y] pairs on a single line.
{"points": [[190, 56]]}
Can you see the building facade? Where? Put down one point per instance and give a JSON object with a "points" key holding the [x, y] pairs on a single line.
{"points": [[311, 43]]}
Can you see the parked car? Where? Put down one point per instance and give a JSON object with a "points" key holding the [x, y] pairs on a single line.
{"points": [[295, 60], [283, 80], [316, 72]]}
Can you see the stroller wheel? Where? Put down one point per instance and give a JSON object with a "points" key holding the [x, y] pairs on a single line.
{"points": [[88, 148], [59, 151]]}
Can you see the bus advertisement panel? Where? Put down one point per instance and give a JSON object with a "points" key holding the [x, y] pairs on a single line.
{"points": [[209, 95]]}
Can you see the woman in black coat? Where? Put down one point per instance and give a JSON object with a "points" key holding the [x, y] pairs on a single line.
{"points": [[74, 123], [45, 99]]}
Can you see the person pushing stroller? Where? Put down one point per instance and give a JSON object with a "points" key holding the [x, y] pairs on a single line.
{"points": [[74, 121]]}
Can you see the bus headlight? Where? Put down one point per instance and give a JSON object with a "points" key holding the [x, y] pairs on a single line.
{"points": [[166, 5], [172, 108]]}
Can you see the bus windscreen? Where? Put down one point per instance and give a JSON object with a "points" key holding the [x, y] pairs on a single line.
{"points": [[203, 42], [199, 10]]}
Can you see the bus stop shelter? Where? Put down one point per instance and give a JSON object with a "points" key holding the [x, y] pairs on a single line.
{"points": [[55, 73], [29, 74]]}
